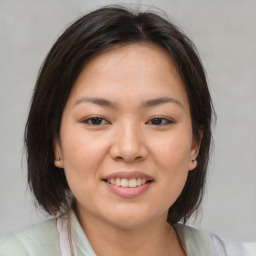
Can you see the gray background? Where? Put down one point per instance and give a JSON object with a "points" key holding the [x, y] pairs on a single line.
{"points": [[224, 32]]}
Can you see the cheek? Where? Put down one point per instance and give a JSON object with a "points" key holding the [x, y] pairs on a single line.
{"points": [[79, 146], [79, 154], [80, 165], [173, 172], [173, 152], [84, 155], [172, 156]]}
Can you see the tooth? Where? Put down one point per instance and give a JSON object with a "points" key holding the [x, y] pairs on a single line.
{"points": [[118, 182], [132, 183], [138, 182], [124, 183]]}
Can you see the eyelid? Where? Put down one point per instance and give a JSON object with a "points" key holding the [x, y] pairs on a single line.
{"points": [[168, 120], [86, 120]]}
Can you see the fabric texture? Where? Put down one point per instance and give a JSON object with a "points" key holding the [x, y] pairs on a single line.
{"points": [[67, 243], [52, 238], [38, 240], [225, 246]]}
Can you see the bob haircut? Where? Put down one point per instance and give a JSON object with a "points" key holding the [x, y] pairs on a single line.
{"points": [[93, 33]]}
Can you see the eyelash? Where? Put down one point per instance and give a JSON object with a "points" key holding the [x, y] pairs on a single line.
{"points": [[98, 119], [95, 118], [161, 119]]}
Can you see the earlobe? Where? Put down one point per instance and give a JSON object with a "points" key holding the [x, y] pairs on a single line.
{"points": [[192, 164], [58, 161], [194, 152]]}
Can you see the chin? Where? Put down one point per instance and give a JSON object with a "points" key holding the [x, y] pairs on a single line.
{"points": [[128, 223], [132, 218]]}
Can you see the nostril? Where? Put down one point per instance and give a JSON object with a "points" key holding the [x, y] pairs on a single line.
{"points": [[128, 148]]}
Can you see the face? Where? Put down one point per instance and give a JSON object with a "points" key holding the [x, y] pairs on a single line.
{"points": [[126, 141]]}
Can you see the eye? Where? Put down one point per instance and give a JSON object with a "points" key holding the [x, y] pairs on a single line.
{"points": [[159, 121], [95, 120]]}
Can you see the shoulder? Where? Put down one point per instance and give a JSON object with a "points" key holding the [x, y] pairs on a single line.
{"points": [[193, 241], [196, 240], [220, 244], [39, 239]]}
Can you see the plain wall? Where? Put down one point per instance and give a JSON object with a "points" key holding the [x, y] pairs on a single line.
{"points": [[224, 32]]}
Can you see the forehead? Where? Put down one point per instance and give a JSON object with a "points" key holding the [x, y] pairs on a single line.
{"points": [[142, 57], [131, 70]]}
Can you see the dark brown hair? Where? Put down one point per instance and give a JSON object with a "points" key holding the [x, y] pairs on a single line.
{"points": [[89, 35]]}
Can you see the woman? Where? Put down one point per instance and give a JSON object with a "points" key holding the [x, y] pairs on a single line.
{"points": [[117, 140]]}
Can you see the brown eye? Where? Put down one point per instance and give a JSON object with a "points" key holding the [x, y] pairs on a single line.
{"points": [[160, 121], [95, 121]]}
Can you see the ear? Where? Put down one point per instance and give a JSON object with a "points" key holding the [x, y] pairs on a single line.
{"points": [[195, 151], [58, 155]]}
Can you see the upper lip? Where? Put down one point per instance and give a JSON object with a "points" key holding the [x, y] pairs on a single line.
{"points": [[128, 175]]}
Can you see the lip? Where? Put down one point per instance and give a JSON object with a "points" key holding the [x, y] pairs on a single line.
{"points": [[128, 192], [128, 175]]}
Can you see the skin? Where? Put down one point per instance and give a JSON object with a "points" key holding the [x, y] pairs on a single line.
{"points": [[127, 138]]}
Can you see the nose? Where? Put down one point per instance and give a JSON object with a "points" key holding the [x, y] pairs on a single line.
{"points": [[129, 143]]}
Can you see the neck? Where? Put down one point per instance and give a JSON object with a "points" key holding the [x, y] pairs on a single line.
{"points": [[154, 238]]}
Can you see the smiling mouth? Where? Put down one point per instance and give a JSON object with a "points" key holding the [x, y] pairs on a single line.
{"points": [[127, 183]]}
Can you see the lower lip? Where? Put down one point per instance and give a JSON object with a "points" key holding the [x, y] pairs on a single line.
{"points": [[128, 192]]}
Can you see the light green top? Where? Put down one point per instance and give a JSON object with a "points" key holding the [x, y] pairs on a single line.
{"points": [[43, 239]]}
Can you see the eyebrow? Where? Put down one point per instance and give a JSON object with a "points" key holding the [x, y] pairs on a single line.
{"points": [[147, 103], [97, 101], [157, 101]]}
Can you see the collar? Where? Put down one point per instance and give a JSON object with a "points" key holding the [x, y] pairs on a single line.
{"points": [[74, 242]]}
